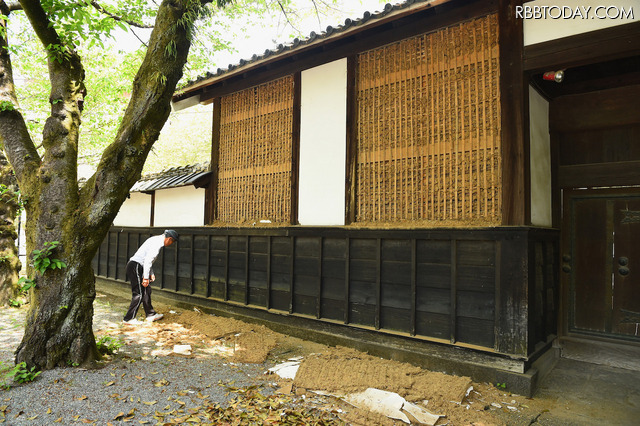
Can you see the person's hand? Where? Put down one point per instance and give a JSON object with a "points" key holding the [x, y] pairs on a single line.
{"points": [[153, 277], [145, 282]]}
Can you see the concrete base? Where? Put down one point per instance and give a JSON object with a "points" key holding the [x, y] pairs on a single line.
{"points": [[519, 376]]}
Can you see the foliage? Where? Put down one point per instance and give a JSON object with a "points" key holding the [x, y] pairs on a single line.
{"points": [[8, 195], [26, 284], [252, 407], [14, 303], [6, 106], [42, 260], [20, 374], [108, 345]]}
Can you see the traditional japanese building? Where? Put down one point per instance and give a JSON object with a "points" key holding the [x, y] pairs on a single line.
{"points": [[413, 184]]}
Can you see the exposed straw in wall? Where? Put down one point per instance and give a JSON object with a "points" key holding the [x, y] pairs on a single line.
{"points": [[428, 127], [254, 180]]}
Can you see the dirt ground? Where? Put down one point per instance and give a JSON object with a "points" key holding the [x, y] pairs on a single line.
{"points": [[337, 371]]}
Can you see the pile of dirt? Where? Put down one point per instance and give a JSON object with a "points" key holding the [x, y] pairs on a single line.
{"points": [[342, 371], [333, 370], [249, 343]]}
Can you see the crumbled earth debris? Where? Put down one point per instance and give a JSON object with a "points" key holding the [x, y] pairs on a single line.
{"points": [[224, 379]]}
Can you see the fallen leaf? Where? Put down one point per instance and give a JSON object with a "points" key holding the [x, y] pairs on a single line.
{"points": [[119, 417], [32, 418], [58, 420], [110, 383], [149, 402], [82, 398], [49, 411]]}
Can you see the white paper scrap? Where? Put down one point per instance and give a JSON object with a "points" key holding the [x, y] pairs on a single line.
{"points": [[286, 370], [420, 414], [379, 401], [182, 349]]}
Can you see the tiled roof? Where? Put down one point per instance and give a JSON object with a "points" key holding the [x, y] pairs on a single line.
{"points": [[368, 18], [171, 178]]}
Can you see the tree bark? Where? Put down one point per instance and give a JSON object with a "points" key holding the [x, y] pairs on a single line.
{"points": [[9, 209], [59, 324]]}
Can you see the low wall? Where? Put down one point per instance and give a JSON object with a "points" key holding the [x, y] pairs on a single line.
{"points": [[490, 291]]}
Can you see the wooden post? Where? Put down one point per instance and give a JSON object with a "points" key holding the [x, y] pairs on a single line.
{"points": [[454, 289], [292, 273], [414, 286], [268, 300], [295, 148], [351, 133], [516, 198], [346, 281], [246, 270], [211, 193], [115, 274], [378, 288], [319, 299], [208, 273], [193, 241]]}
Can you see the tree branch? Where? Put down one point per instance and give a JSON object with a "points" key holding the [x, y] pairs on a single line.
{"points": [[115, 17], [148, 109], [7, 7], [14, 135], [40, 22]]}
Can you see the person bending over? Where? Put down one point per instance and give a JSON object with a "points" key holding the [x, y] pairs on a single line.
{"points": [[140, 274]]}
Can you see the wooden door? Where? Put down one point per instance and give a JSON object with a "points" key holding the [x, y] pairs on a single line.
{"points": [[601, 262]]}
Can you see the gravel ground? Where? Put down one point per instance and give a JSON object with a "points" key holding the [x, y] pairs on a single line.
{"points": [[134, 386]]}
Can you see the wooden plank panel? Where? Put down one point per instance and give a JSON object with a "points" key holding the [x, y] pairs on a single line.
{"points": [[334, 248], [258, 296], [475, 331], [600, 174], [430, 275], [476, 278], [433, 325], [395, 295], [595, 110], [392, 318], [332, 310], [473, 304], [305, 305], [280, 300], [481, 253], [363, 249], [434, 300], [396, 273], [362, 314], [434, 251]]}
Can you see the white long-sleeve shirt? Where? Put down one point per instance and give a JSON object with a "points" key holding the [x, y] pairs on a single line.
{"points": [[147, 253]]}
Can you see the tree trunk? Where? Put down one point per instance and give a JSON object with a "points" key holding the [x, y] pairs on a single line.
{"points": [[59, 328], [9, 210]]}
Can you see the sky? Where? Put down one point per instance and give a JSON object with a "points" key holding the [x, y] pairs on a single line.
{"points": [[273, 30], [261, 38]]}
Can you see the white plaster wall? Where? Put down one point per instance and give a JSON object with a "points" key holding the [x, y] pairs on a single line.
{"points": [[136, 211], [541, 30], [540, 151], [323, 145], [183, 206]]}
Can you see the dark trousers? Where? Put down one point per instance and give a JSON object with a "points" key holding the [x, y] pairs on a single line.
{"points": [[139, 294]]}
